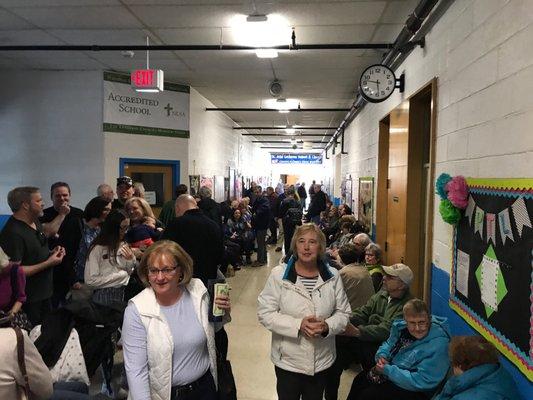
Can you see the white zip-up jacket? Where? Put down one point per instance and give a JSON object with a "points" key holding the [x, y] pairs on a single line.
{"points": [[160, 344], [283, 304]]}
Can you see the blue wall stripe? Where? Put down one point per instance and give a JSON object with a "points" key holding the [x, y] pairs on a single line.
{"points": [[440, 295]]}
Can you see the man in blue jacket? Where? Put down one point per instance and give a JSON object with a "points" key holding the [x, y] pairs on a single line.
{"points": [[412, 362]]}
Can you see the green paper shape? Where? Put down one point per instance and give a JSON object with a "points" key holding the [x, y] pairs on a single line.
{"points": [[501, 288]]}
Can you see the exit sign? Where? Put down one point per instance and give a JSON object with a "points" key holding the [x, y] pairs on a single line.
{"points": [[147, 80]]}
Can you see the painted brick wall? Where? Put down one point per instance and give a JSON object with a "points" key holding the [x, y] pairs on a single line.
{"points": [[480, 51]]}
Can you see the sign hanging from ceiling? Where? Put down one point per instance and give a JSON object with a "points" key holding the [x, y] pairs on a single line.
{"points": [[156, 114], [295, 158]]}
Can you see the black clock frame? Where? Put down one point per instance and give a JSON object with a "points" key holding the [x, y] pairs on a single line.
{"points": [[398, 83]]}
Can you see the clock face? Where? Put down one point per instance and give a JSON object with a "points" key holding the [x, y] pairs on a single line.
{"points": [[377, 83]]}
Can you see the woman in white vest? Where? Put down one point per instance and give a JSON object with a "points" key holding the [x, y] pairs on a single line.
{"points": [[305, 306], [168, 341]]}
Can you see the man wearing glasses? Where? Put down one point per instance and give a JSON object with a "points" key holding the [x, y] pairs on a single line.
{"points": [[370, 325], [24, 239]]}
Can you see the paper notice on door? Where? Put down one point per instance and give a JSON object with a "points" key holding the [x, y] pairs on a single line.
{"points": [[463, 268], [489, 280]]}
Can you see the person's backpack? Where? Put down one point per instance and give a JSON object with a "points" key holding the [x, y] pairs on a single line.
{"points": [[294, 214]]}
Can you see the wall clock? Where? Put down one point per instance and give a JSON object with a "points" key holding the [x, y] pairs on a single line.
{"points": [[377, 83]]}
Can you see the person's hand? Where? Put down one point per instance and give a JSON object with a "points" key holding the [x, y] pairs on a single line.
{"points": [[380, 365], [138, 252], [223, 301], [351, 330], [127, 252], [64, 209], [76, 286], [312, 326], [56, 256]]}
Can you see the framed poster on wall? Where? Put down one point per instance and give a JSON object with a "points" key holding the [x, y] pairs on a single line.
{"points": [[194, 184], [366, 202], [349, 195]]}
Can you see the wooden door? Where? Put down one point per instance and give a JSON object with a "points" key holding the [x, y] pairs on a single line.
{"points": [[397, 186], [157, 181]]}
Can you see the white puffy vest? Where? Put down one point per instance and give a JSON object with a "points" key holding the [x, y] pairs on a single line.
{"points": [[159, 342]]}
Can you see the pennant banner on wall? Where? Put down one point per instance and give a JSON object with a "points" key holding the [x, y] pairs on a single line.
{"points": [[477, 216], [491, 228], [470, 209], [520, 215], [505, 226], [478, 221]]}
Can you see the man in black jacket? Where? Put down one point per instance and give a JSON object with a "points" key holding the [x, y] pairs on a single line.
{"points": [[318, 204], [199, 236], [209, 206], [260, 221], [302, 194]]}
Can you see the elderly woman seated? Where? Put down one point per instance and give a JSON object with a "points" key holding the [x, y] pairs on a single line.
{"points": [[411, 363], [477, 374]]}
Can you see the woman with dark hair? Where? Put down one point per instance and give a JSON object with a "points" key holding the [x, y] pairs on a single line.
{"points": [[304, 305], [477, 373], [110, 261], [94, 214]]}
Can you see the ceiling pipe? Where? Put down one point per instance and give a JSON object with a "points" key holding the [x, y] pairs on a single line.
{"points": [[342, 143], [271, 128], [285, 142], [288, 136], [401, 49], [290, 148], [204, 47], [227, 109]]}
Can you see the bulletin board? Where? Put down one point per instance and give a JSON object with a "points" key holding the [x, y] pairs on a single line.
{"points": [[491, 285], [366, 202]]}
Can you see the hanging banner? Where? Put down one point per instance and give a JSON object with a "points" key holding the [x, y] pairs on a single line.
{"points": [[478, 221], [504, 221], [470, 209], [295, 158], [521, 215], [491, 228], [158, 114]]}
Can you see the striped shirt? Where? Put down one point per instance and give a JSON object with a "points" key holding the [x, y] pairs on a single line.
{"points": [[308, 283]]}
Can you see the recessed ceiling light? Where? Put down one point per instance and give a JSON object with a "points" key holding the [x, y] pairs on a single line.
{"points": [[257, 18], [266, 53]]}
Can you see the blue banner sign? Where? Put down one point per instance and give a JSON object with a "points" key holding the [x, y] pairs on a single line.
{"points": [[295, 158]]}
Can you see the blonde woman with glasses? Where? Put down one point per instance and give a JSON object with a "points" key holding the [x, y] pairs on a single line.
{"points": [[168, 341]]}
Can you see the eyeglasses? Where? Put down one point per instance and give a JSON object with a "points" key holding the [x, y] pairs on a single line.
{"points": [[417, 324], [167, 271]]}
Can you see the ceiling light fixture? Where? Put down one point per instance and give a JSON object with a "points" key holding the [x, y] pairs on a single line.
{"points": [[266, 53], [257, 18], [290, 130]]}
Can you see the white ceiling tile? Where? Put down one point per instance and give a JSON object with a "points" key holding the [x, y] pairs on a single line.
{"points": [[397, 12], [10, 21], [47, 3], [101, 36], [175, 16], [79, 17], [387, 33], [191, 36], [27, 37]]}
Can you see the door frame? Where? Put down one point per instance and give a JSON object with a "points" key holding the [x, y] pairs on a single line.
{"points": [[382, 179], [174, 164]]}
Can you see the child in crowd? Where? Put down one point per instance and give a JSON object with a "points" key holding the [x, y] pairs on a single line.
{"points": [[143, 235]]}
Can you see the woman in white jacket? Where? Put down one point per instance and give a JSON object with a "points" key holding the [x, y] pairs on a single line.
{"points": [[168, 341], [110, 261], [305, 306]]}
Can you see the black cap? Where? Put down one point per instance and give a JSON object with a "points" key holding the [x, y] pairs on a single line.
{"points": [[124, 180]]}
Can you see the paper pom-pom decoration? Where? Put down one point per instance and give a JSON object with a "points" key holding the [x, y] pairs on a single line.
{"points": [[440, 185], [458, 192], [449, 212]]}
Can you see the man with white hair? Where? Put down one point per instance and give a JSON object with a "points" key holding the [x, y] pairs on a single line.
{"points": [[105, 192], [370, 325]]}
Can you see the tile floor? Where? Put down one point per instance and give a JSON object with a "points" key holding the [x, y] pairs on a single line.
{"points": [[249, 342]]}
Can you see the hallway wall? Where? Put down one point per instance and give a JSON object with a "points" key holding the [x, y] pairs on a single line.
{"points": [[51, 124], [480, 51]]}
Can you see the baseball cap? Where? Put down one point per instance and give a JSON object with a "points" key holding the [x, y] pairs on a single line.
{"points": [[124, 180], [402, 271]]}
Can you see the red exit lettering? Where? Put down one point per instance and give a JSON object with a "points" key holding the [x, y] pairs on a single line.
{"points": [[143, 77]]}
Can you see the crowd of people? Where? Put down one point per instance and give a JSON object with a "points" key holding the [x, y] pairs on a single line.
{"points": [[82, 283]]}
